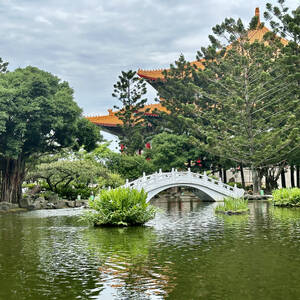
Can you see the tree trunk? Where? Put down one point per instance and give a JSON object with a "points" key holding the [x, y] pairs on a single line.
{"points": [[271, 184], [242, 176], [256, 181], [298, 176], [220, 173], [13, 171], [224, 176], [292, 169], [282, 175]]}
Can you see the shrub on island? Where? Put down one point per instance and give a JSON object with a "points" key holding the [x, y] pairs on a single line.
{"points": [[120, 207], [233, 206], [288, 197]]}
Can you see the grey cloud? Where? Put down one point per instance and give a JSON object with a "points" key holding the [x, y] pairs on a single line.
{"points": [[88, 42]]}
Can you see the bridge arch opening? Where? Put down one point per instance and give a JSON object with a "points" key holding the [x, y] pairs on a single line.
{"points": [[201, 193]]}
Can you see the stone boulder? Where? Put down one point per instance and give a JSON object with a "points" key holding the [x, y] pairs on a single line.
{"points": [[59, 204], [81, 203], [25, 202], [6, 206], [70, 204]]}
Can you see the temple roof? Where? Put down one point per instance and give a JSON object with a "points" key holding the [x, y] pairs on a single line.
{"points": [[111, 120], [253, 35]]}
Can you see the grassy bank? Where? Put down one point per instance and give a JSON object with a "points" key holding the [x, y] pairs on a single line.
{"points": [[286, 197]]}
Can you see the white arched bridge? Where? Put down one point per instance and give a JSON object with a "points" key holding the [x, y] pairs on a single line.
{"points": [[210, 188]]}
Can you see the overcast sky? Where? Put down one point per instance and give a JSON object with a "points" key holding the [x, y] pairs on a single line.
{"points": [[88, 42]]}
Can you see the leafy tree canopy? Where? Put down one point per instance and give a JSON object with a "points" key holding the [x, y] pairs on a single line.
{"points": [[176, 151], [38, 116], [129, 167]]}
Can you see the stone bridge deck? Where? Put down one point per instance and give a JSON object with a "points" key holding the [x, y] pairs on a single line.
{"points": [[212, 189]]}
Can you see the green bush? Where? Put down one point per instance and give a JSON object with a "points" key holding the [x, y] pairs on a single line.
{"points": [[30, 186], [129, 167], [120, 207], [238, 184], [233, 205], [112, 180], [71, 193], [286, 197]]}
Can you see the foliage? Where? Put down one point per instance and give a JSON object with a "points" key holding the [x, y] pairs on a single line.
{"points": [[73, 173], [129, 167], [88, 134], [286, 197], [72, 192], [3, 66], [120, 207], [130, 90], [243, 105], [286, 24], [65, 172], [234, 205], [29, 186], [170, 150], [38, 116], [101, 153], [112, 180], [238, 184]]}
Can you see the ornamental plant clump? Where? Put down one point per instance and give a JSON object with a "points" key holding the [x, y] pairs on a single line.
{"points": [[120, 207], [233, 206], [286, 197]]}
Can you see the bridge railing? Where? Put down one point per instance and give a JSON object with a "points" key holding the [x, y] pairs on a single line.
{"points": [[174, 174]]}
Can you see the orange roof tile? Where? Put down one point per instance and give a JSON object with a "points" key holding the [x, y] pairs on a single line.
{"points": [[111, 120], [253, 35]]}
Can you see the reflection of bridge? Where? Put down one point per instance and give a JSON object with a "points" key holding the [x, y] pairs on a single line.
{"points": [[210, 188]]}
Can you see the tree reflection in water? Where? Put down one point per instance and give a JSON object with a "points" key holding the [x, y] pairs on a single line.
{"points": [[126, 263]]}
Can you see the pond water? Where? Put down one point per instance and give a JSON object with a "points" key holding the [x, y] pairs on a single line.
{"points": [[186, 252]]}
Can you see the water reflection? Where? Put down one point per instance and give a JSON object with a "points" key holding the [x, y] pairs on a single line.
{"points": [[127, 266], [186, 252]]}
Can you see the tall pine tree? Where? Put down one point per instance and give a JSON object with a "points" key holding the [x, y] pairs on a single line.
{"points": [[130, 91], [243, 106]]}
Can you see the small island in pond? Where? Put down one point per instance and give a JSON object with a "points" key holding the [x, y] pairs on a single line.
{"points": [[233, 206], [120, 207]]}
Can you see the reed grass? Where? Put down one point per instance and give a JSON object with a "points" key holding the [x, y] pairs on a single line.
{"points": [[120, 207], [233, 206]]}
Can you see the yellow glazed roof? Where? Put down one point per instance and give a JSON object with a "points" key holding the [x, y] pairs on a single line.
{"points": [[253, 35], [111, 120]]}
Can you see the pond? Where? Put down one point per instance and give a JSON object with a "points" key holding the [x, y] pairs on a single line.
{"points": [[186, 252]]}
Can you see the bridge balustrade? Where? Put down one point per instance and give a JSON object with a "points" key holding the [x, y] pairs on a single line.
{"points": [[159, 181]]}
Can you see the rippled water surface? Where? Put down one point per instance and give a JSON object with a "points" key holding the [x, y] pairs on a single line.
{"points": [[186, 252]]}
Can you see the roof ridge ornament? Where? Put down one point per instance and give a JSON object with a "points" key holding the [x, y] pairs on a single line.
{"points": [[257, 14]]}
